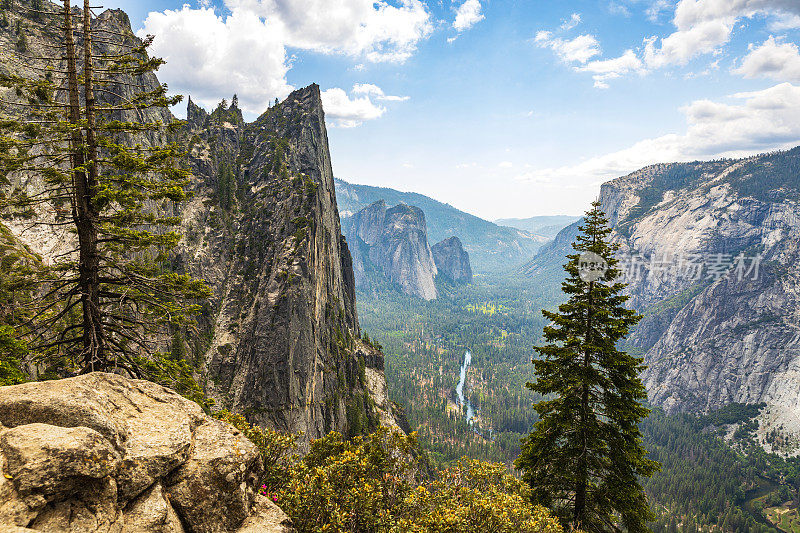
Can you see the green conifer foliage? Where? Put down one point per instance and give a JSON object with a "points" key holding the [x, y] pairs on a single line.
{"points": [[109, 179], [22, 43], [585, 454]]}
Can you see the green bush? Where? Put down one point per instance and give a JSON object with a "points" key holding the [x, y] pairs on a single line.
{"points": [[369, 484], [276, 449]]}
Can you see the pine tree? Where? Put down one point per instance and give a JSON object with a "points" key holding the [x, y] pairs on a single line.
{"points": [[585, 454], [110, 178]]}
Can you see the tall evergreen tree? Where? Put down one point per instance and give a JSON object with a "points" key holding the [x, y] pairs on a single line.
{"points": [[108, 177], [585, 454]]}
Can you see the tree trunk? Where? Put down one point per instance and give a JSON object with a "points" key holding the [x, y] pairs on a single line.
{"points": [[84, 212], [96, 334], [583, 465]]}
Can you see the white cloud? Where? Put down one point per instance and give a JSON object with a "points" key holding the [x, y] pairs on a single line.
{"points": [[467, 15], [376, 30], [505, 164], [211, 57], [369, 89], [578, 50], [703, 26], [608, 69], [683, 45], [773, 59], [618, 9], [755, 122], [571, 22], [784, 22], [654, 11], [345, 111]]}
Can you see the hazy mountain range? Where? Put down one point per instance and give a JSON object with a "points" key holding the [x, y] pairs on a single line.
{"points": [[491, 247]]}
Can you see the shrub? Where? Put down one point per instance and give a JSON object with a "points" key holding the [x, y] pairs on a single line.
{"points": [[351, 486], [475, 496], [276, 449], [369, 485]]}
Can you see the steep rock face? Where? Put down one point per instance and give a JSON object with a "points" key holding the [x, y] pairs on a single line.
{"points": [[452, 260], [394, 243], [279, 337], [264, 231], [492, 248], [728, 331], [102, 453]]}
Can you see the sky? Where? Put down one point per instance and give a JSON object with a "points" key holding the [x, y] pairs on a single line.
{"points": [[502, 108]]}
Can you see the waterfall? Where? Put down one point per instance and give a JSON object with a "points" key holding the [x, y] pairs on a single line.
{"points": [[460, 386]]}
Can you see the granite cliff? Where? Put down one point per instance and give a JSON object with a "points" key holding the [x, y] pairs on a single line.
{"points": [[711, 253], [392, 243], [452, 261], [279, 340]]}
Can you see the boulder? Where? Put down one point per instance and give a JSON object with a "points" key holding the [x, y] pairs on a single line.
{"points": [[214, 489], [266, 516], [102, 453], [152, 513], [52, 460]]}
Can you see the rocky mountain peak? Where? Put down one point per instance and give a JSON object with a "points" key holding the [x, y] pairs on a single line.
{"points": [[393, 244], [452, 260], [196, 116], [711, 254]]}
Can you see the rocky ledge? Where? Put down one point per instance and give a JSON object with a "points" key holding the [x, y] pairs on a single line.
{"points": [[101, 453]]}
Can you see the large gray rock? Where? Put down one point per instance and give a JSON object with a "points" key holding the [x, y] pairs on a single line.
{"points": [[214, 489], [152, 439], [152, 513], [718, 337], [102, 453], [393, 243], [452, 260], [53, 460]]}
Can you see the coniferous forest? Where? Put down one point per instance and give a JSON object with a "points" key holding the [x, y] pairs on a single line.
{"points": [[204, 329]]}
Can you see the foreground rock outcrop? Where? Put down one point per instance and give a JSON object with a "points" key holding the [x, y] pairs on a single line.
{"points": [[101, 453]]}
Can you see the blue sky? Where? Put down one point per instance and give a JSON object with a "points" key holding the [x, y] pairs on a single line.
{"points": [[502, 108]]}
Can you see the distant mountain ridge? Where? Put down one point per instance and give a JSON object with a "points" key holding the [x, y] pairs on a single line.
{"points": [[491, 248], [714, 252], [546, 226]]}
